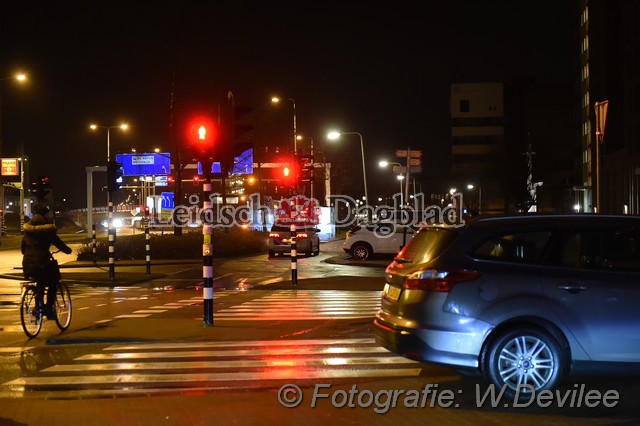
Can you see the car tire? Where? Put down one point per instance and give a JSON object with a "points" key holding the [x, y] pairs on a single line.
{"points": [[272, 253], [523, 356], [361, 251]]}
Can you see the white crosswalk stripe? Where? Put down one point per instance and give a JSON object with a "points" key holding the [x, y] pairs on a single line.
{"points": [[297, 305], [184, 366]]}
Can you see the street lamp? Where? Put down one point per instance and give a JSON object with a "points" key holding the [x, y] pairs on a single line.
{"points": [[385, 163], [400, 179], [20, 78], [276, 100], [333, 135], [400, 169], [470, 187], [311, 159], [121, 126], [111, 229]]}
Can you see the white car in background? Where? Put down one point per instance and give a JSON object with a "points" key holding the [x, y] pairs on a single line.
{"points": [[366, 240]]}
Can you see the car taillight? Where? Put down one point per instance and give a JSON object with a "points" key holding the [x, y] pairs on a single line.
{"points": [[274, 235], [434, 280], [302, 235]]}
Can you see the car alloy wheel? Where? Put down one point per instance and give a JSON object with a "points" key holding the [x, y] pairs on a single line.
{"points": [[361, 252], [523, 360]]}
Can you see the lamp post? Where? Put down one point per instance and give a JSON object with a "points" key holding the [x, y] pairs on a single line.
{"points": [[400, 179], [471, 186], [108, 128], [20, 78], [22, 161], [111, 229], [336, 135], [311, 159], [401, 169], [276, 100]]}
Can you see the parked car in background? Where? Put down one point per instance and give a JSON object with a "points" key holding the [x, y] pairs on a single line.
{"points": [[364, 241], [307, 240], [523, 300]]}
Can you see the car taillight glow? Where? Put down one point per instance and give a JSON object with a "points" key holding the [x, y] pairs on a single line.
{"points": [[302, 235], [438, 281], [274, 235]]}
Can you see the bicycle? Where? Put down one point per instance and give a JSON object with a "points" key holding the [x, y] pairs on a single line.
{"points": [[32, 314]]}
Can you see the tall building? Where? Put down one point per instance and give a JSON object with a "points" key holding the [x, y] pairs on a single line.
{"points": [[610, 71], [478, 145]]}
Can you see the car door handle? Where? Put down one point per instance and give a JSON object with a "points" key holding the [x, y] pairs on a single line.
{"points": [[572, 288]]}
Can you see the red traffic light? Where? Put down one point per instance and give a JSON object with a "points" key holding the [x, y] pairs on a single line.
{"points": [[289, 173], [202, 134]]}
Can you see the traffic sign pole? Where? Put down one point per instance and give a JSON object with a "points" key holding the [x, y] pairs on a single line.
{"points": [[112, 238], [207, 246]]}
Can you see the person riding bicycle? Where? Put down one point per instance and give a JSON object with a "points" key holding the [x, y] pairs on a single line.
{"points": [[37, 262]]}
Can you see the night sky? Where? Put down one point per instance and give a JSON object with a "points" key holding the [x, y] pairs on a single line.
{"points": [[382, 71]]}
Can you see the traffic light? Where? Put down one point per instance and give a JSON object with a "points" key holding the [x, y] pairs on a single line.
{"points": [[114, 175], [236, 134], [196, 180], [170, 180], [306, 169], [242, 129], [202, 136], [146, 211], [40, 187], [290, 174]]}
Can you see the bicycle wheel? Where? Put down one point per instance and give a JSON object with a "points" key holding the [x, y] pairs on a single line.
{"points": [[63, 306], [30, 314]]}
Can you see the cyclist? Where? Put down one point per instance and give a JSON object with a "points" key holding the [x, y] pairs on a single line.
{"points": [[37, 263]]}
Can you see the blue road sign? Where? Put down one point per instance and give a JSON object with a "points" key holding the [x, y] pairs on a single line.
{"points": [[146, 164], [166, 200]]}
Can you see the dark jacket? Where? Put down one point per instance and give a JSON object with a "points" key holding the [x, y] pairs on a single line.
{"points": [[39, 235]]}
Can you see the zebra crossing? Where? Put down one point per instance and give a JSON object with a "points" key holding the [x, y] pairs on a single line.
{"points": [[298, 305], [149, 368]]}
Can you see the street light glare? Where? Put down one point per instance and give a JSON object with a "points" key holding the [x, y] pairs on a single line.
{"points": [[383, 163], [124, 126], [333, 135], [21, 77], [275, 99]]}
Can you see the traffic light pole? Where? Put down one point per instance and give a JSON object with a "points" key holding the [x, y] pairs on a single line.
{"points": [[112, 238], [294, 253], [207, 245]]}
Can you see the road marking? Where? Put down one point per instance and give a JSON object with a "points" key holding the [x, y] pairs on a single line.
{"points": [[162, 366], [301, 305]]}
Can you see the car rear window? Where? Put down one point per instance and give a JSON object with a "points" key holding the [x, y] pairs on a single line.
{"points": [[522, 247], [426, 245]]}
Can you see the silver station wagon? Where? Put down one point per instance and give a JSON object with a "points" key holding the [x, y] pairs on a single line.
{"points": [[523, 300]]}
